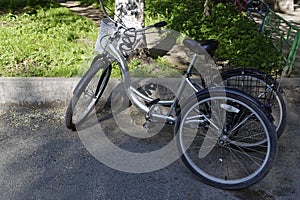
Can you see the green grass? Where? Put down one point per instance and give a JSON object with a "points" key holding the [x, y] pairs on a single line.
{"points": [[51, 42], [40, 38], [160, 68]]}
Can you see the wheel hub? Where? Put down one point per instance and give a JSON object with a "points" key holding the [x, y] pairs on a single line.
{"points": [[223, 140]]}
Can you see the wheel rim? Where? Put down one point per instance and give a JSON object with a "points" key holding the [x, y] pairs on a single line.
{"points": [[90, 96], [222, 156]]}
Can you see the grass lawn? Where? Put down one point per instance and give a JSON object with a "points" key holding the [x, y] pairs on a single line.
{"points": [[45, 41], [39, 38]]}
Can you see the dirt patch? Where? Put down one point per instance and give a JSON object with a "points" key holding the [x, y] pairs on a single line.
{"points": [[88, 11]]}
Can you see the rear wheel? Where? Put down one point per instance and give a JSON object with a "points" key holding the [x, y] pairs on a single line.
{"points": [[88, 92], [220, 138]]}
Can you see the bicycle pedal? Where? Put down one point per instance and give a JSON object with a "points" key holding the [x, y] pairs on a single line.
{"points": [[147, 124]]}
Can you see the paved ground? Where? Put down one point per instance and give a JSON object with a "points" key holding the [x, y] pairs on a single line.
{"points": [[293, 18], [41, 159]]}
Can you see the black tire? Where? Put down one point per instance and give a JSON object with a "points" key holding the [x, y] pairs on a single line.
{"points": [[255, 82], [212, 139], [88, 92]]}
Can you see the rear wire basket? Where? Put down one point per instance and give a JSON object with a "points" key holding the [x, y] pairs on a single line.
{"points": [[255, 87]]}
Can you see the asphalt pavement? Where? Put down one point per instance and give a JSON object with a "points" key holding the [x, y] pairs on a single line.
{"points": [[41, 159]]}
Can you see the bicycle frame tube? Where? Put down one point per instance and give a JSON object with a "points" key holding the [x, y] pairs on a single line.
{"points": [[183, 84], [126, 78], [134, 94], [149, 99]]}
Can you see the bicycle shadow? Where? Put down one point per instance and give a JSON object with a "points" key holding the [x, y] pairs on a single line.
{"points": [[115, 103]]}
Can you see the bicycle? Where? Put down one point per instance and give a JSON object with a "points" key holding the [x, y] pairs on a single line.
{"points": [[217, 128]]}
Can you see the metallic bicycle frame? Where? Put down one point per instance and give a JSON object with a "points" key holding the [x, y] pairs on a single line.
{"points": [[133, 94]]}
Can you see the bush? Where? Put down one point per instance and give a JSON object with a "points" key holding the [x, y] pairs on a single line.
{"points": [[25, 5], [240, 42]]}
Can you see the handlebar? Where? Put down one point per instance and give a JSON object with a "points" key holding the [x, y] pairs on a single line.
{"points": [[131, 35], [157, 25]]}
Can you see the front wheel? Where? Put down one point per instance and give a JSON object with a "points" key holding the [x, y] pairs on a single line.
{"points": [[219, 133], [88, 92]]}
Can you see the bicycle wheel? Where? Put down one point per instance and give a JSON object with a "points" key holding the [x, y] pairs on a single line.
{"points": [[262, 86], [88, 92], [219, 137]]}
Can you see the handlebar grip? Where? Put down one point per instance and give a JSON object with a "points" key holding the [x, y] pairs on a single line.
{"points": [[160, 24]]}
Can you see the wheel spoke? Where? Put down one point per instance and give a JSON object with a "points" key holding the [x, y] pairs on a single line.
{"points": [[90, 94]]}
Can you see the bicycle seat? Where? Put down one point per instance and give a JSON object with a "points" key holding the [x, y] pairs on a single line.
{"points": [[196, 46]]}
